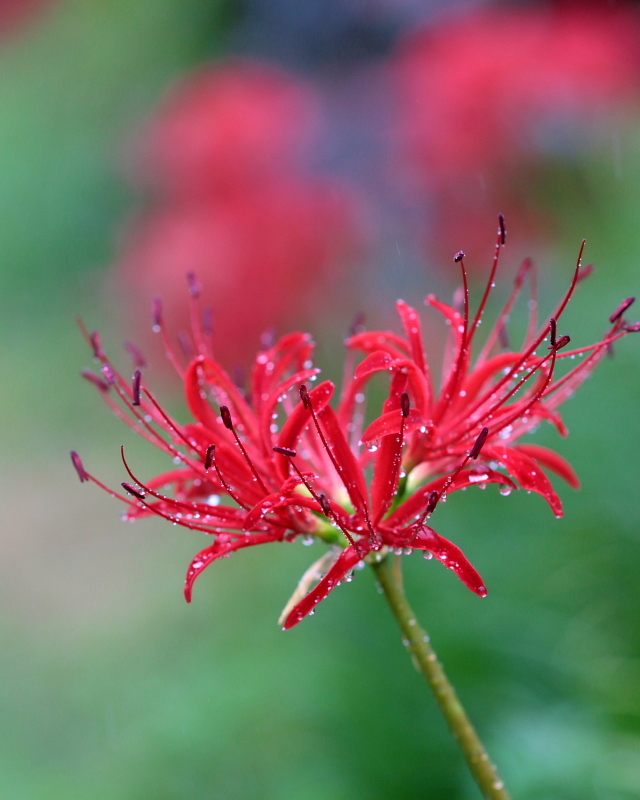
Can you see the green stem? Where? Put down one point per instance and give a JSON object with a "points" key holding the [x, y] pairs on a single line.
{"points": [[389, 574]]}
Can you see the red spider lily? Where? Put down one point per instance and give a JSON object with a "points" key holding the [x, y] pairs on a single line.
{"points": [[289, 464], [486, 96], [232, 201]]}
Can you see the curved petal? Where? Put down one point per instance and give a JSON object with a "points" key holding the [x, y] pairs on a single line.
{"points": [[223, 546], [527, 472], [415, 505], [389, 423], [452, 557], [346, 562], [551, 460]]}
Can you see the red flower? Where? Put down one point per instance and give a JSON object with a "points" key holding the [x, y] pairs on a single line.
{"points": [[289, 464], [234, 203], [487, 95]]}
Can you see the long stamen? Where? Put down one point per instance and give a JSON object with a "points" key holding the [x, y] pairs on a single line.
{"points": [[319, 497], [500, 242], [228, 424], [212, 461], [306, 401], [158, 327]]}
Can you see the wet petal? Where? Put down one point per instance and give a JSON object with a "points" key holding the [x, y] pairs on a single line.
{"points": [[452, 557], [224, 545], [551, 460], [346, 562], [527, 472]]}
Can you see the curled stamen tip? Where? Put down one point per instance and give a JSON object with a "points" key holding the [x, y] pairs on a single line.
{"points": [[285, 451], [563, 341], [96, 344], [325, 504], [140, 495], [477, 447], [432, 502], [194, 286], [621, 309], [404, 404], [208, 461], [96, 380], [304, 396], [502, 231], [226, 417], [137, 377], [79, 466], [458, 256], [634, 328], [136, 354]]}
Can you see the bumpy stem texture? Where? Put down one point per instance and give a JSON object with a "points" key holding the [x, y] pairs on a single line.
{"points": [[388, 572]]}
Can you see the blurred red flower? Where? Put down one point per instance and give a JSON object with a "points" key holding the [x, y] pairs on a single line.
{"points": [[289, 465], [236, 205], [486, 95]]}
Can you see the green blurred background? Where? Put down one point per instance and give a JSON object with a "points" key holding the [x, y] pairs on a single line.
{"points": [[110, 685]]}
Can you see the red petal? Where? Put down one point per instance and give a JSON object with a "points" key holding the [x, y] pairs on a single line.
{"points": [[222, 547], [204, 369], [527, 472], [390, 423], [269, 406], [375, 362], [371, 341], [417, 503], [551, 460], [290, 352], [298, 420], [413, 328], [345, 462], [346, 562], [452, 557]]}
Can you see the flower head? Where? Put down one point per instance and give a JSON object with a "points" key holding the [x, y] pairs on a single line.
{"points": [[279, 461]]}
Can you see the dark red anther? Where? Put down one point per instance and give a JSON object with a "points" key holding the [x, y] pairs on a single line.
{"points": [[432, 503], [136, 355], [304, 396], [553, 328], [563, 341], [137, 377], [357, 325], [108, 374], [503, 336], [226, 417], [621, 309], [207, 321], [157, 313], [404, 404], [285, 451], [502, 231], [194, 286], [325, 504], [208, 461], [634, 328], [96, 344], [458, 256], [140, 495], [77, 463], [96, 380], [477, 447]]}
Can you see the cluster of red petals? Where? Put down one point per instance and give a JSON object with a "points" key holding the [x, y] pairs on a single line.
{"points": [[286, 462], [233, 202], [483, 95]]}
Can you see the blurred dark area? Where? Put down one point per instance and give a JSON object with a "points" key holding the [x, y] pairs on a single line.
{"points": [[309, 161]]}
